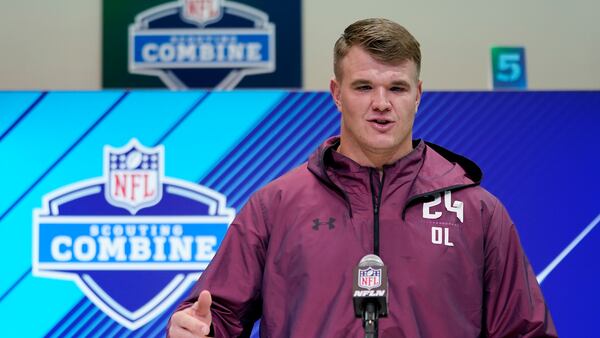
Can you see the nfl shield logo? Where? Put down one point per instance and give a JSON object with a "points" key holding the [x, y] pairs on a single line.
{"points": [[201, 12], [134, 176], [132, 266], [369, 278]]}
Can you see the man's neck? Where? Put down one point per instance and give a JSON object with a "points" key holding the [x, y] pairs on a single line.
{"points": [[373, 159]]}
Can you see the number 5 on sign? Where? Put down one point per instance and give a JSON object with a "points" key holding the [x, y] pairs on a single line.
{"points": [[508, 68]]}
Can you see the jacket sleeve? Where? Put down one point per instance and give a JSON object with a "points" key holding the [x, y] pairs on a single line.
{"points": [[234, 276], [514, 305]]}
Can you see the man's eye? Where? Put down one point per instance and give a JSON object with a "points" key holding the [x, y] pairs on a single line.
{"points": [[398, 89], [363, 88]]}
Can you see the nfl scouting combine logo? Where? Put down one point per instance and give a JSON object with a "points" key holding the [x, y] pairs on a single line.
{"points": [[202, 43], [133, 240]]}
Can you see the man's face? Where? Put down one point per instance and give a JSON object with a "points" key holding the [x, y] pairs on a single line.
{"points": [[378, 102]]}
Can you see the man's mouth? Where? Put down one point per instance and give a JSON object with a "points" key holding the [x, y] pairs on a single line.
{"points": [[381, 125], [380, 121]]}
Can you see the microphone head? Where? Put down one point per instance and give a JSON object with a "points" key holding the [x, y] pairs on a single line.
{"points": [[370, 260], [370, 285]]}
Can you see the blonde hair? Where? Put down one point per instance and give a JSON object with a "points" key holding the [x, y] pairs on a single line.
{"points": [[383, 39]]}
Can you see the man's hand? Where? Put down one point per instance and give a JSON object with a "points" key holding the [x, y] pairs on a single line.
{"points": [[194, 321]]}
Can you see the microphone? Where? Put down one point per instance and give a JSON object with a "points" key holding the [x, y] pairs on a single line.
{"points": [[370, 294]]}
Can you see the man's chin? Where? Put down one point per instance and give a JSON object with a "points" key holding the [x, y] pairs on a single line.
{"points": [[387, 145], [382, 142]]}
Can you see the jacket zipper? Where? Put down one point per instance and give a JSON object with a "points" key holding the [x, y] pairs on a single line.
{"points": [[376, 206]]}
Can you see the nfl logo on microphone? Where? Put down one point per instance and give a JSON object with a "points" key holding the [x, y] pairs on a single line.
{"points": [[369, 278]]}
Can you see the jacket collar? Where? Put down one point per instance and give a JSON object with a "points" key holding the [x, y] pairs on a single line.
{"points": [[432, 168]]}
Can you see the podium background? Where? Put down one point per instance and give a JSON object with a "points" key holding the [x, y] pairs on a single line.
{"points": [[538, 151]]}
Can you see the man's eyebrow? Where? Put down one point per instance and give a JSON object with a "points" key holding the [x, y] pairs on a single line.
{"points": [[360, 82], [400, 83]]}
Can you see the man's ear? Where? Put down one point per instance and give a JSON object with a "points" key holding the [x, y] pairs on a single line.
{"points": [[419, 94], [334, 89]]}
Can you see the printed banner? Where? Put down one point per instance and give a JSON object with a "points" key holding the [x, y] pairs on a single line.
{"points": [[114, 202], [213, 44]]}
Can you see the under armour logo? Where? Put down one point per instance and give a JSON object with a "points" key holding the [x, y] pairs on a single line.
{"points": [[317, 222]]}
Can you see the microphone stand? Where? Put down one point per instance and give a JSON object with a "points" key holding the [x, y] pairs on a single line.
{"points": [[370, 320]]}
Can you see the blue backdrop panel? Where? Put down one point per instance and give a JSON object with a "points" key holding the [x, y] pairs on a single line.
{"points": [[537, 150]]}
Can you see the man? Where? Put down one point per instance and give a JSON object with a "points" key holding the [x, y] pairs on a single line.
{"points": [[455, 265]]}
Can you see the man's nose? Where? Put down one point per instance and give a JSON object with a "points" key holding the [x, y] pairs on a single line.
{"points": [[381, 100]]}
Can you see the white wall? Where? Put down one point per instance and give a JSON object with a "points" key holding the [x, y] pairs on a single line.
{"points": [[57, 44], [562, 38], [52, 44]]}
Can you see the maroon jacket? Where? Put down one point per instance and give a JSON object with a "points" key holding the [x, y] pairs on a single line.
{"points": [[455, 264]]}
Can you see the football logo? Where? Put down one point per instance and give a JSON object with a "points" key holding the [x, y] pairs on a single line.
{"points": [[132, 240], [134, 174], [202, 43], [202, 12], [369, 278]]}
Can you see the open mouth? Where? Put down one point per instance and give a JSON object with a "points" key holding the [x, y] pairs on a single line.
{"points": [[380, 121]]}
